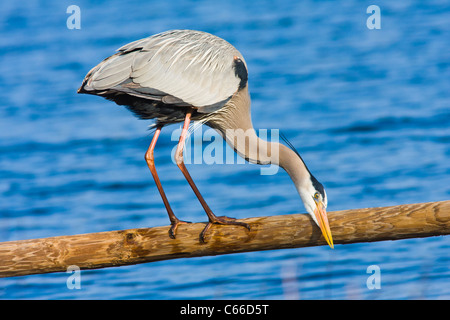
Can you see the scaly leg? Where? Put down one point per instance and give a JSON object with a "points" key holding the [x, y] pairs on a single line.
{"points": [[149, 158], [213, 219]]}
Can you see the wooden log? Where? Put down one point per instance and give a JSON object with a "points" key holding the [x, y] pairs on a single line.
{"points": [[133, 246]]}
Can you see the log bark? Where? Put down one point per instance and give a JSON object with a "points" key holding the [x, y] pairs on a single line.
{"points": [[133, 246]]}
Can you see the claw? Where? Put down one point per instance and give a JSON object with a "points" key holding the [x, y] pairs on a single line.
{"points": [[221, 220], [174, 227]]}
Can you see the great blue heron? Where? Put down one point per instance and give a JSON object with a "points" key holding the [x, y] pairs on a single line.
{"points": [[185, 75]]}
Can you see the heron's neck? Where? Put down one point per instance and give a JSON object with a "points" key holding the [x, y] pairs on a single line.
{"points": [[235, 125]]}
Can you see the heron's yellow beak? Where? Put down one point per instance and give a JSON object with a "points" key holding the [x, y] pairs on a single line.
{"points": [[322, 219]]}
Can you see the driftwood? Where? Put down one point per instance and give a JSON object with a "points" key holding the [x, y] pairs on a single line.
{"points": [[133, 246]]}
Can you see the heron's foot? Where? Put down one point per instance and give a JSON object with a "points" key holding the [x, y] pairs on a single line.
{"points": [[221, 220], [174, 227]]}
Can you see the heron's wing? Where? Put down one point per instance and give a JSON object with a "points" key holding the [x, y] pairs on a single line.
{"points": [[181, 67]]}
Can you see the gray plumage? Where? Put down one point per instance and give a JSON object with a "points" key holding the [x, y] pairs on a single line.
{"points": [[158, 76]]}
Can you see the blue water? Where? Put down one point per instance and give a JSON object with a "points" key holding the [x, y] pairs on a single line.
{"points": [[369, 111]]}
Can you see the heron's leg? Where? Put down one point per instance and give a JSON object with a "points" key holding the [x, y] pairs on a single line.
{"points": [[149, 158], [213, 219]]}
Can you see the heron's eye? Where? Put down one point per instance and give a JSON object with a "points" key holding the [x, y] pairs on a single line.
{"points": [[316, 195]]}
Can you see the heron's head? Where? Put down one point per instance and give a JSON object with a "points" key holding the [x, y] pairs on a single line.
{"points": [[315, 200], [311, 191]]}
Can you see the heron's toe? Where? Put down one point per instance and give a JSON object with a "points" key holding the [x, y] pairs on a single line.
{"points": [[174, 227]]}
